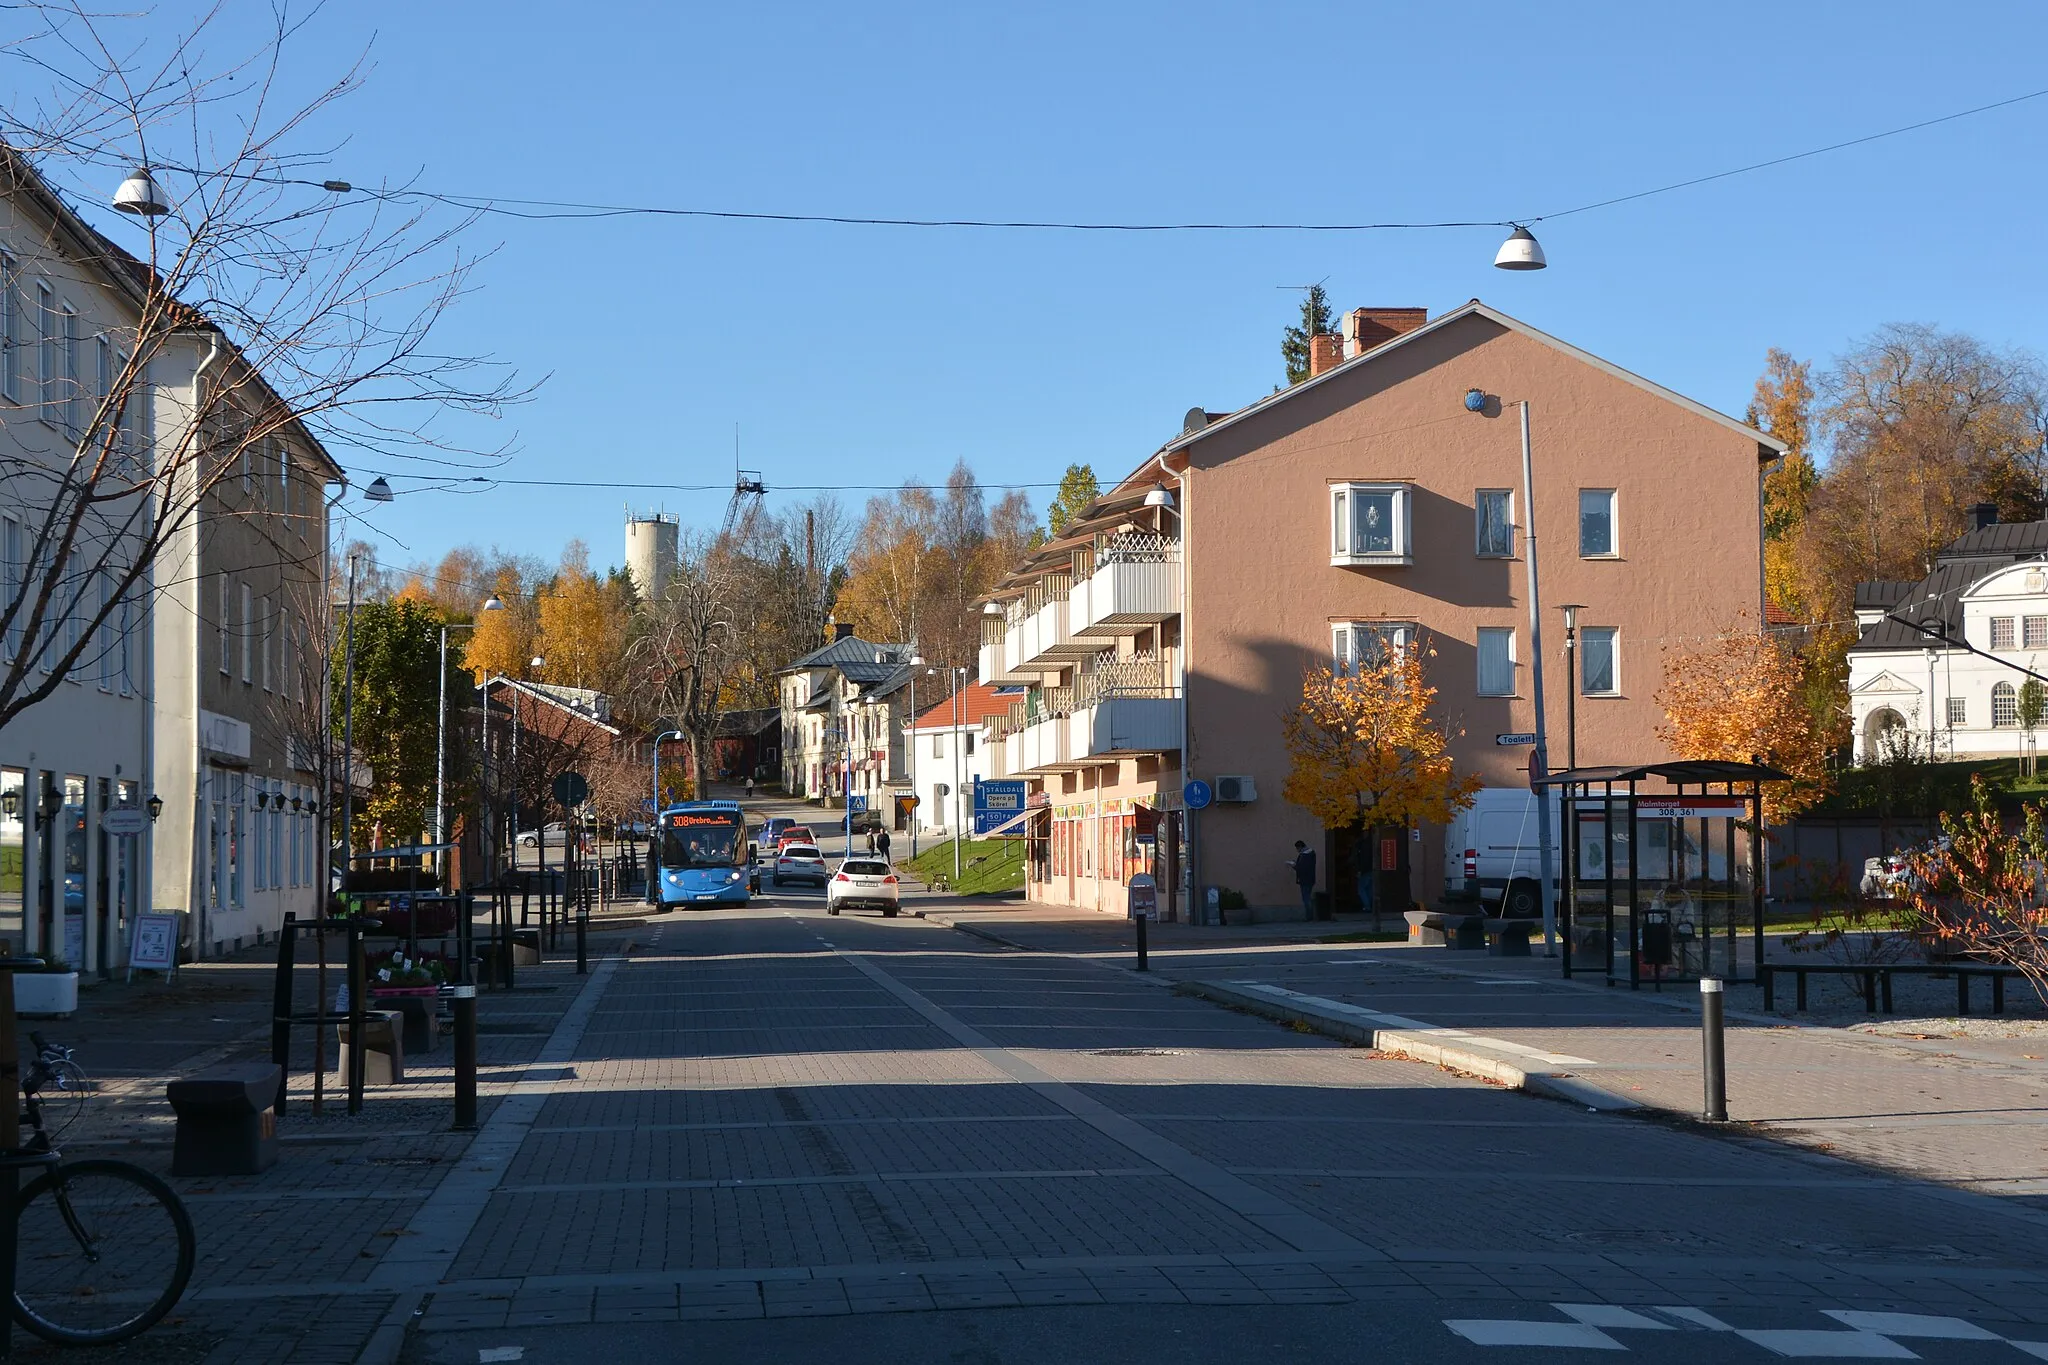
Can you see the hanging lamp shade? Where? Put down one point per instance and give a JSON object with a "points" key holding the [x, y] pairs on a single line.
{"points": [[1159, 497], [140, 195], [378, 491], [1520, 252]]}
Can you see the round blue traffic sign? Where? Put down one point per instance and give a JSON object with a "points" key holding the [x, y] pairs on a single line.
{"points": [[1197, 794]]}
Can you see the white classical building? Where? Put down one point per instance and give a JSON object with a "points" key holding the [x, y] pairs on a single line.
{"points": [[1989, 591]]}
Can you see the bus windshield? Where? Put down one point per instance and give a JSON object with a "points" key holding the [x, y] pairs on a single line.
{"points": [[702, 839]]}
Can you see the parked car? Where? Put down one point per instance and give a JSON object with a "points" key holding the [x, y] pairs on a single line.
{"points": [[1888, 875], [770, 833], [555, 832], [795, 834], [800, 863], [862, 882]]}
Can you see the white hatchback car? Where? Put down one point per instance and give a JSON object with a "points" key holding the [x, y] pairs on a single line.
{"points": [[859, 882]]}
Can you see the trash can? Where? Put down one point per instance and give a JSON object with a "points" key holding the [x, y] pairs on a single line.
{"points": [[1656, 944]]}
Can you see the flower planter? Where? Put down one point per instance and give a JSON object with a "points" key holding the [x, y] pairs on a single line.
{"points": [[46, 995], [403, 990]]}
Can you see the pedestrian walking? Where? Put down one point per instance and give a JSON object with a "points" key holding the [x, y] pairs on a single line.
{"points": [[882, 843], [1303, 865], [871, 841], [750, 785]]}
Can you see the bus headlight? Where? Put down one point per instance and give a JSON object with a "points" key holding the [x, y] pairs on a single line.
{"points": [[732, 876]]}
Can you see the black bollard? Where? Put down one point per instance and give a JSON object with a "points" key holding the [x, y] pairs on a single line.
{"points": [[358, 992], [1714, 1055], [582, 931], [1141, 945], [281, 1011]]}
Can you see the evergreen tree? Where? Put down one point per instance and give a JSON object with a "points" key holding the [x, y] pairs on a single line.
{"points": [[1315, 319]]}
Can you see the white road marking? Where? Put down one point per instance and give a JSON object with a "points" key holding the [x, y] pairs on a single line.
{"points": [[1699, 1317], [1806, 1344], [1510, 1332], [487, 1354], [1912, 1325], [1611, 1315]]}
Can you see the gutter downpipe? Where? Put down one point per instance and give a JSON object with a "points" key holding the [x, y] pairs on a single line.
{"points": [[1196, 904], [196, 881]]}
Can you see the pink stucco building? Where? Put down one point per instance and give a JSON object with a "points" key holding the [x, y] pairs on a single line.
{"points": [[1366, 503]]}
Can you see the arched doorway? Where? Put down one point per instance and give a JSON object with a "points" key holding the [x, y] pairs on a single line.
{"points": [[1880, 723]]}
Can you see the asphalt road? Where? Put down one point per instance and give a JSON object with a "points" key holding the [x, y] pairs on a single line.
{"points": [[780, 1136]]}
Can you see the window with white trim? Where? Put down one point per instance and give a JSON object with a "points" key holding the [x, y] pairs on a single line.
{"points": [[127, 644], [13, 573], [103, 634], [73, 425], [221, 623], [1369, 523], [2034, 632], [2001, 632], [284, 475], [47, 362], [263, 614], [10, 330], [248, 623], [1496, 661], [1597, 538], [1368, 644], [1958, 712], [2005, 706], [1599, 661], [1494, 523], [259, 865], [103, 383]]}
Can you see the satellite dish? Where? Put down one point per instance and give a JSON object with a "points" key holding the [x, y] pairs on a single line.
{"points": [[1196, 419]]}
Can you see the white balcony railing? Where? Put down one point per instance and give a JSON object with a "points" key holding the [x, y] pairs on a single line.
{"points": [[1135, 583]]}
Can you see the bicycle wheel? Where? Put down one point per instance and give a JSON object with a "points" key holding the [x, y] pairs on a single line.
{"points": [[105, 1250]]}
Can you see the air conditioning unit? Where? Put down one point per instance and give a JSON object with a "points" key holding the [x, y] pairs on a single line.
{"points": [[1237, 789]]}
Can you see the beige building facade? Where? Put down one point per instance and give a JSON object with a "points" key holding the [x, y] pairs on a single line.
{"points": [[1367, 505]]}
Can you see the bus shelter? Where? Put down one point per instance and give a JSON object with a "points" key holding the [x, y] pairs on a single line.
{"points": [[1663, 869]]}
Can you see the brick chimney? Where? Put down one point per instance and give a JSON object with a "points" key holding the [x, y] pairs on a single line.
{"points": [[1983, 514], [1324, 353], [841, 630], [1365, 328]]}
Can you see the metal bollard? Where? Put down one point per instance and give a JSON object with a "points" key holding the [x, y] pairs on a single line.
{"points": [[1141, 945], [582, 932], [465, 1058], [1714, 1054]]}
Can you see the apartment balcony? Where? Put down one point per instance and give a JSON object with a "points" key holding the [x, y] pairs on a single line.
{"points": [[1136, 584], [1038, 747], [1124, 707]]}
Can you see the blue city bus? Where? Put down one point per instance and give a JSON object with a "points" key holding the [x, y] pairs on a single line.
{"points": [[701, 850]]}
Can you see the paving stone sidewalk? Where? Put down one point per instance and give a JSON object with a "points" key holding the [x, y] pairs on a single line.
{"points": [[285, 1258], [1961, 1102]]}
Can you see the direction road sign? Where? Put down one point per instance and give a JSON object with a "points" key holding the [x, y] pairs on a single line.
{"points": [[1519, 737], [571, 789], [1197, 794]]}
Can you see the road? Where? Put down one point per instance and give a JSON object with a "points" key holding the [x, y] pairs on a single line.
{"points": [[958, 1152]]}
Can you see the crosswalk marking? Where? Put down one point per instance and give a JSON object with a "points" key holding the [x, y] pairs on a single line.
{"points": [[1912, 1325], [1860, 1335]]}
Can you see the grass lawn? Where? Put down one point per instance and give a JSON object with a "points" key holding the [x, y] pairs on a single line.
{"points": [[988, 867]]}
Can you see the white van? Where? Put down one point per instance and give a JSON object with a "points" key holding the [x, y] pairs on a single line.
{"points": [[1490, 852]]}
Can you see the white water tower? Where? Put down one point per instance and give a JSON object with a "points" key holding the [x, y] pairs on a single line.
{"points": [[651, 547]]}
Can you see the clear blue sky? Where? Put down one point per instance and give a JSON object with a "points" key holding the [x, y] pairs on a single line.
{"points": [[866, 355]]}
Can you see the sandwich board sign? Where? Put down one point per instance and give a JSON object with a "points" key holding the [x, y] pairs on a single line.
{"points": [[155, 944]]}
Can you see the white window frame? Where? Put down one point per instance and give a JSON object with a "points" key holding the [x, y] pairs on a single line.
{"points": [[1496, 634], [72, 370], [2011, 624], [263, 615], [248, 634], [1612, 635], [103, 382], [1479, 497], [2005, 701], [1958, 713], [1345, 636], [1613, 550], [13, 577], [127, 644], [284, 474], [103, 633], [10, 329], [2034, 632], [46, 352], [226, 660], [1344, 499]]}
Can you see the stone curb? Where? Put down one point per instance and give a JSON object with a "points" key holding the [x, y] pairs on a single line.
{"points": [[1512, 1072]]}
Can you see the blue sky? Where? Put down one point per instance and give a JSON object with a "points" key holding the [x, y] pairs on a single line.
{"points": [[866, 355]]}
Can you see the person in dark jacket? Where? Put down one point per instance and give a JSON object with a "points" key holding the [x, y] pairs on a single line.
{"points": [[1303, 865], [882, 842]]}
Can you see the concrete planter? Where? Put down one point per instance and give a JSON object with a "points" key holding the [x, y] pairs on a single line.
{"points": [[46, 995]]}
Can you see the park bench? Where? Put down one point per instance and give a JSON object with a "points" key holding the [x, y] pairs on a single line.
{"points": [[1452, 929], [1877, 980], [225, 1122], [383, 1047]]}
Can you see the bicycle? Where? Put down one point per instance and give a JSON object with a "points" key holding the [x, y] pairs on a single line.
{"points": [[103, 1249]]}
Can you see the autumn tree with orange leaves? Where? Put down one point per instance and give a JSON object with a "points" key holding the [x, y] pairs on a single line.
{"points": [[1368, 751], [1742, 697]]}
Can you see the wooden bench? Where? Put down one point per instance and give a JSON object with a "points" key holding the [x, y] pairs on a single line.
{"points": [[225, 1122], [1877, 980]]}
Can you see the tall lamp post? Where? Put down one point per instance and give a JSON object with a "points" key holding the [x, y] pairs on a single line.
{"points": [[959, 676], [654, 820], [441, 739], [1571, 612], [1477, 401], [910, 744]]}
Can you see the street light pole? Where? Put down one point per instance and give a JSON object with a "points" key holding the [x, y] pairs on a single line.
{"points": [[910, 743], [1571, 612], [348, 722], [441, 739], [959, 675], [1545, 858], [654, 816]]}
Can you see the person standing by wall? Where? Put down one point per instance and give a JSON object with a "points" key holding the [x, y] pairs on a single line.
{"points": [[1303, 865]]}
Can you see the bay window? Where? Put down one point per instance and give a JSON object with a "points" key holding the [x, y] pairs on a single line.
{"points": [[1369, 523]]}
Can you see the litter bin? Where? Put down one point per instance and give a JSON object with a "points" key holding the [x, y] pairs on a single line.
{"points": [[1656, 945]]}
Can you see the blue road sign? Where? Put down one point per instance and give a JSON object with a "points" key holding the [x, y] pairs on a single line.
{"points": [[856, 804], [1197, 794], [996, 804]]}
